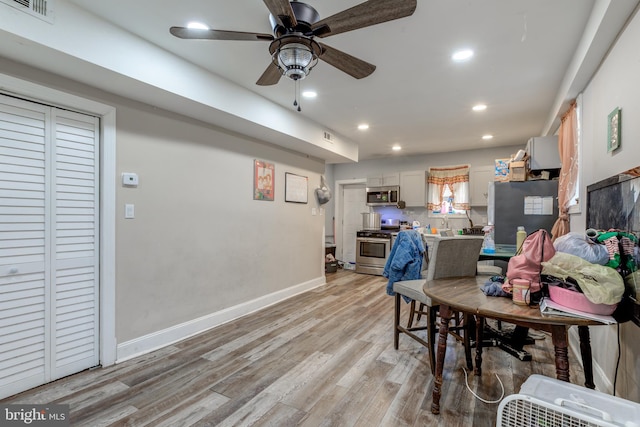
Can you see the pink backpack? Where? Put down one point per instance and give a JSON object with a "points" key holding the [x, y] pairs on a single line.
{"points": [[526, 264]]}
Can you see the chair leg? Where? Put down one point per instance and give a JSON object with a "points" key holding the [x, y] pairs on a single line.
{"points": [[420, 310], [412, 312], [396, 322]]}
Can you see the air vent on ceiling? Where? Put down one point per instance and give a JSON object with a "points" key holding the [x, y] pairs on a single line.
{"points": [[328, 137], [42, 9]]}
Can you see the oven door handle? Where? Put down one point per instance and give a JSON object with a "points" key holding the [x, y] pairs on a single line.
{"points": [[365, 240]]}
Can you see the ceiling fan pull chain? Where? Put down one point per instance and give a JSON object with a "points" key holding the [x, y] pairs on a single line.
{"points": [[296, 94]]}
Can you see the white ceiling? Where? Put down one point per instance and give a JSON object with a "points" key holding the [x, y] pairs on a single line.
{"points": [[531, 57]]}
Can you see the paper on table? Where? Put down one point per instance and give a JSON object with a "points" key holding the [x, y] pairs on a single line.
{"points": [[548, 307]]}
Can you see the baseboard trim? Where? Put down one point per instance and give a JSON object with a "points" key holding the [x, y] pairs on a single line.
{"points": [[156, 340]]}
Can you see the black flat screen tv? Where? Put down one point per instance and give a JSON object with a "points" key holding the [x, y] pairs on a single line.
{"points": [[614, 203]]}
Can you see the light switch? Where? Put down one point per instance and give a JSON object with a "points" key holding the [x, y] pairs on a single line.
{"points": [[314, 211], [129, 211], [130, 179]]}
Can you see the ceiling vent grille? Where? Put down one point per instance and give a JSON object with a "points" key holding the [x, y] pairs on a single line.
{"points": [[42, 9]]}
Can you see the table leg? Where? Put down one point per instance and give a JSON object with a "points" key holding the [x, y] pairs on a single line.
{"points": [[479, 338], [559, 338], [585, 352], [467, 319], [445, 318]]}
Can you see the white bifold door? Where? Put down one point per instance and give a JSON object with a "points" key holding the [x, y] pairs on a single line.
{"points": [[49, 245]]}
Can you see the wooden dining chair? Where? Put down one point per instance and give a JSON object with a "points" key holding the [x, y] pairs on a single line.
{"points": [[453, 256]]}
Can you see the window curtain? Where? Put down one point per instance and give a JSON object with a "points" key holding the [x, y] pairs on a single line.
{"points": [[457, 178], [568, 148]]}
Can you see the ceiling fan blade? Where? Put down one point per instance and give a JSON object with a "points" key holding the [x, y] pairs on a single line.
{"points": [[271, 76], [197, 34], [282, 11], [343, 61], [363, 15]]}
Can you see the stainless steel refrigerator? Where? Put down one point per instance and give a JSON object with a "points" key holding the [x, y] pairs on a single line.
{"points": [[532, 204]]}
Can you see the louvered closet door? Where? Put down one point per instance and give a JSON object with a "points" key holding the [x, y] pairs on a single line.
{"points": [[74, 238], [48, 244]]}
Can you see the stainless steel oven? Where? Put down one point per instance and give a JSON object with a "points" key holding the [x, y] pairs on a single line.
{"points": [[372, 251]]}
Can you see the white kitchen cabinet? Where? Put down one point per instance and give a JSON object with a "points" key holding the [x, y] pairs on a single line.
{"points": [[479, 179], [383, 180], [413, 186]]}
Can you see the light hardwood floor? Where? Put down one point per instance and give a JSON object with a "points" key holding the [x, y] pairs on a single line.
{"points": [[322, 358]]}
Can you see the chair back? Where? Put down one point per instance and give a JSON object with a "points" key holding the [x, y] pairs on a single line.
{"points": [[454, 256]]}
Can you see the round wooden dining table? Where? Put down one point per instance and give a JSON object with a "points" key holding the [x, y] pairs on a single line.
{"points": [[464, 294]]}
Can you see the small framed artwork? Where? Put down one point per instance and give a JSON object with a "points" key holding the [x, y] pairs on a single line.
{"points": [[614, 130], [296, 188], [263, 180]]}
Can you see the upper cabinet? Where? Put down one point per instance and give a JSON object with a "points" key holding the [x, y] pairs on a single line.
{"points": [[479, 179], [383, 180], [413, 186]]}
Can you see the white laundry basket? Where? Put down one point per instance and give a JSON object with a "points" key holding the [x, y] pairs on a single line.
{"points": [[548, 402]]}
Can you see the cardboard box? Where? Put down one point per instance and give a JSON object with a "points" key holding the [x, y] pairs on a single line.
{"points": [[518, 171], [502, 170]]}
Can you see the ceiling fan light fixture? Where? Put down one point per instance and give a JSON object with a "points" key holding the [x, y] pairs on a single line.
{"points": [[295, 55], [296, 60]]}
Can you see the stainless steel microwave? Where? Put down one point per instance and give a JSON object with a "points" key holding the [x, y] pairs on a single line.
{"points": [[383, 196]]}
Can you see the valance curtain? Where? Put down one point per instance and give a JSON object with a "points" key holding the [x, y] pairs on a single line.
{"points": [[456, 178], [568, 148]]}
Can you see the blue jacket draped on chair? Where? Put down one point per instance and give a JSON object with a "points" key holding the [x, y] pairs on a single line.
{"points": [[405, 259]]}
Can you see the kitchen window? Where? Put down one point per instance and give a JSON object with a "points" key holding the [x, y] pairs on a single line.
{"points": [[448, 190]]}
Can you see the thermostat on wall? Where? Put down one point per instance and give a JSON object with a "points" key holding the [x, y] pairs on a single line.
{"points": [[130, 179]]}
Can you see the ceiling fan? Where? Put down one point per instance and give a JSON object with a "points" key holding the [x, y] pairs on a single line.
{"points": [[294, 49]]}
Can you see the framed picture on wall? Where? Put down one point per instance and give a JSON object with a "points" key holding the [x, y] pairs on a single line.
{"points": [[263, 180], [614, 130], [296, 188]]}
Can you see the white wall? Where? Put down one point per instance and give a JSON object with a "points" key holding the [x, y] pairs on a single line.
{"points": [[616, 84], [200, 250]]}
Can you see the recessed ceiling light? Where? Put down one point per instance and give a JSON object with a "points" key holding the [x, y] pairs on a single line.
{"points": [[197, 26], [462, 55], [479, 107], [363, 126], [487, 137], [396, 148], [309, 94]]}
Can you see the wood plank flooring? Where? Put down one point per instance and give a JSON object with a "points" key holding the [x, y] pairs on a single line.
{"points": [[322, 358]]}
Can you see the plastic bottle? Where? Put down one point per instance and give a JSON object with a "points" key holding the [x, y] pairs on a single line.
{"points": [[488, 245], [521, 234]]}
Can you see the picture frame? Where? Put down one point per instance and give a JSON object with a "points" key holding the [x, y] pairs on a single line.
{"points": [[263, 180], [614, 130], [296, 188]]}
